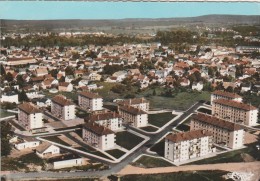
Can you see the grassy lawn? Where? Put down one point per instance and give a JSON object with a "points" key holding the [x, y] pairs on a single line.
{"points": [[92, 151], [181, 101], [215, 175], [105, 91], [151, 162], [160, 119], [203, 110], [31, 158], [158, 148], [127, 140], [4, 113], [56, 140], [183, 127], [149, 129], [116, 153], [233, 156], [70, 95]]}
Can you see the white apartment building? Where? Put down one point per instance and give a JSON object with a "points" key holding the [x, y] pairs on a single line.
{"points": [[139, 103], [224, 132], [187, 145], [136, 117], [63, 108], [110, 120], [90, 101], [98, 136], [29, 116], [234, 111], [218, 94], [10, 97]]}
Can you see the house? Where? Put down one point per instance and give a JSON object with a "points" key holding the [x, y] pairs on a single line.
{"points": [[47, 149], [48, 82], [188, 145], [245, 87], [185, 82], [27, 142], [223, 132], [218, 94], [10, 97], [83, 83], [98, 136], [29, 116], [94, 76], [120, 75], [69, 78], [63, 108], [197, 86], [41, 72], [90, 101], [112, 79], [139, 103], [234, 111], [68, 160], [43, 102], [133, 116], [110, 120], [65, 87], [78, 73]]}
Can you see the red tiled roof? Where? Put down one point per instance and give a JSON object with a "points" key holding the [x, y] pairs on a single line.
{"points": [[61, 100], [190, 135], [90, 95], [226, 94], [133, 101], [234, 104], [216, 122], [97, 129], [29, 108], [132, 110], [102, 116]]}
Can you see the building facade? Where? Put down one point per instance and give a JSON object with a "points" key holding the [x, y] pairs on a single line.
{"points": [[98, 136], [225, 95], [224, 132], [63, 108], [10, 97], [110, 120], [90, 101], [187, 145], [133, 116], [234, 111], [29, 116], [139, 103]]}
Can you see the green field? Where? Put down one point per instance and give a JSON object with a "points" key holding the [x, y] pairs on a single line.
{"points": [[4, 113], [151, 162], [92, 151], [127, 140], [179, 176], [160, 119], [183, 127], [158, 148], [116, 153], [70, 95]]}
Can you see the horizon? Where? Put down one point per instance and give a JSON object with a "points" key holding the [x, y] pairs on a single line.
{"points": [[78, 10]]}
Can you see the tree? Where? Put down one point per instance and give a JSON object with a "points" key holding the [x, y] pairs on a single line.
{"points": [[62, 79], [22, 96], [2, 70], [9, 77], [5, 135], [69, 70], [154, 92]]}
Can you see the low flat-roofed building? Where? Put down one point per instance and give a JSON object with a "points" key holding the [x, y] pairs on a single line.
{"points": [[29, 116], [98, 136], [234, 111], [218, 94], [90, 101], [63, 108], [26, 143], [111, 120], [224, 132], [187, 145], [11, 97], [47, 149], [134, 116]]}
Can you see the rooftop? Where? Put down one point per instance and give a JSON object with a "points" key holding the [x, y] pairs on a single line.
{"points": [[226, 94], [61, 100], [29, 108], [133, 101], [97, 129], [102, 116], [90, 95], [235, 104], [190, 135], [217, 122], [131, 110]]}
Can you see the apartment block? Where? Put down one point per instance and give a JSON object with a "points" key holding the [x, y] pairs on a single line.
{"points": [[234, 111], [139, 103], [29, 116], [90, 101], [135, 117], [224, 132], [110, 120], [218, 94], [63, 108], [98, 136], [187, 145]]}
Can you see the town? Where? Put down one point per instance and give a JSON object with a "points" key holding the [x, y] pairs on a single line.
{"points": [[101, 110]]}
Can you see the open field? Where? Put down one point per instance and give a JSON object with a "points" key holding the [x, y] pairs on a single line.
{"points": [[4, 113], [116, 153], [160, 119], [158, 148], [151, 162], [127, 140]]}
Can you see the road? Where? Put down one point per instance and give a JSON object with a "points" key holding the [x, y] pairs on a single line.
{"points": [[114, 168]]}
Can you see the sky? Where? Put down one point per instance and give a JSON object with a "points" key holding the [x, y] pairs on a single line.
{"points": [[45, 10]]}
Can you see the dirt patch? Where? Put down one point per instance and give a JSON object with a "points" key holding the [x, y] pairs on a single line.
{"points": [[17, 153], [250, 138], [247, 158]]}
